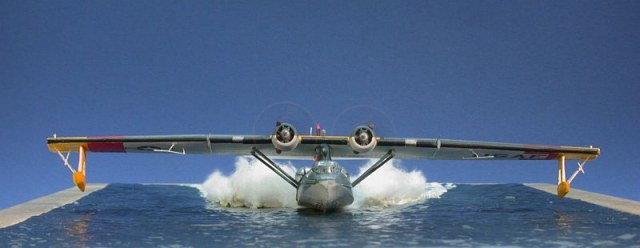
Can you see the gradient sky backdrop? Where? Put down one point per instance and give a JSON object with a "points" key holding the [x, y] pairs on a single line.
{"points": [[538, 72]]}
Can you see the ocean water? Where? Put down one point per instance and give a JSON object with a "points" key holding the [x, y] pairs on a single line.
{"points": [[393, 208], [134, 215]]}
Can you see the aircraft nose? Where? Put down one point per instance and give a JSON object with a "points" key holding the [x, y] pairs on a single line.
{"points": [[337, 195], [326, 195]]}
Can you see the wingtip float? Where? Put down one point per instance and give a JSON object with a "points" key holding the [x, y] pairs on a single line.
{"points": [[79, 175], [79, 180], [564, 184], [326, 185], [563, 189]]}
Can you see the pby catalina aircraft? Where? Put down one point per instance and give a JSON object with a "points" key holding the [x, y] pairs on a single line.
{"points": [[326, 185]]}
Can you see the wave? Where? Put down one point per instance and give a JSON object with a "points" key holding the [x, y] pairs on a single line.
{"points": [[253, 185]]}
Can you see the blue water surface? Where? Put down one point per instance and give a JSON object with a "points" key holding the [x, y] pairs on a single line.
{"points": [[133, 215]]}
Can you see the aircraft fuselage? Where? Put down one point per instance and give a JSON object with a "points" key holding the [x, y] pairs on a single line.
{"points": [[325, 187]]}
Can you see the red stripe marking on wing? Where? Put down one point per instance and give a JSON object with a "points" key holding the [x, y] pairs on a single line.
{"points": [[540, 155], [106, 146]]}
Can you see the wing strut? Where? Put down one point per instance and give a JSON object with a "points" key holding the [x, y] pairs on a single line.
{"points": [[384, 159], [580, 169], [563, 185], [275, 168]]}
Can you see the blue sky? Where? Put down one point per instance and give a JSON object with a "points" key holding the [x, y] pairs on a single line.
{"points": [[537, 72]]}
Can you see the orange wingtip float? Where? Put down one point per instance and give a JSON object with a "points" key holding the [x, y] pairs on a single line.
{"points": [[79, 175], [563, 189], [326, 185], [79, 180], [564, 185]]}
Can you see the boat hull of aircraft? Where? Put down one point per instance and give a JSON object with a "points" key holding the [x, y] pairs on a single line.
{"points": [[325, 188]]}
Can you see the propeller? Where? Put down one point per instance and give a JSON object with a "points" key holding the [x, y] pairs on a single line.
{"points": [[360, 115], [282, 112]]}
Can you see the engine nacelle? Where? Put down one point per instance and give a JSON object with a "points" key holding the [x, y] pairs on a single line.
{"points": [[362, 140], [285, 137]]}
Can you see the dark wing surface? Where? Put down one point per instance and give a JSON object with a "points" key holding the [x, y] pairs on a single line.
{"points": [[403, 148]]}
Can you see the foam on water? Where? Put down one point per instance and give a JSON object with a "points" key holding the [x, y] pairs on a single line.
{"points": [[391, 185], [253, 185]]}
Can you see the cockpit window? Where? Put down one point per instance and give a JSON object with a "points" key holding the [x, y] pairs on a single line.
{"points": [[328, 169]]}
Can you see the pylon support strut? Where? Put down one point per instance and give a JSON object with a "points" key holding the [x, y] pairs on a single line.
{"points": [[275, 168]]}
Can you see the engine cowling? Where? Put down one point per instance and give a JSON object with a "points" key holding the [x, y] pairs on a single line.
{"points": [[285, 137], [362, 140]]}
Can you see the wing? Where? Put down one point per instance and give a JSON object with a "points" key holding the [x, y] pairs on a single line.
{"points": [[404, 148], [445, 149]]}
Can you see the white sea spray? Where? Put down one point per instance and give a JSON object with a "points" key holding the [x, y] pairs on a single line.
{"points": [[391, 185], [253, 185]]}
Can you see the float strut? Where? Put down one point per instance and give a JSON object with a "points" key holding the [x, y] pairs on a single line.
{"points": [[563, 185], [275, 168], [385, 158], [78, 176]]}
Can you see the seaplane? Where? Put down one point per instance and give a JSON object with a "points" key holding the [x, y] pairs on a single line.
{"points": [[325, 186]]}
